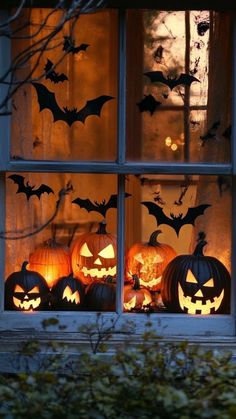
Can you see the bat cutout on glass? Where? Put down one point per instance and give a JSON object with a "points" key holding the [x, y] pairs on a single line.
{"points": [[149, 104], [24, 187], [183, 79], [101, 207], [47, 100], [52, 75], [69, 45], [175, 221]]}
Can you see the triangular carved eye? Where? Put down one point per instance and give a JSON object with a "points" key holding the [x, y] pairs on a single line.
{"points": [[84, 251], [18, 289], [190, 277], [209, 283], [107, 252], [138, 257], [34, 290]]}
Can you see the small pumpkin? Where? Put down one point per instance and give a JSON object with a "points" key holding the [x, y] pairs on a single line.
{"points": [[148, 261], [101, 295], [93, 256], [26, 290], [196, 284], [68, 294], [136, 297], [51, 260]]}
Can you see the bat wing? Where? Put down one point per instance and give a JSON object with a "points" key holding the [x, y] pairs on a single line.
{"points": [[158, 213], [47, 100], [193, 213], [185, 79], [19, 180], [86, 204], [92, 107], [156, 76], [42, 189], [177, 222]]}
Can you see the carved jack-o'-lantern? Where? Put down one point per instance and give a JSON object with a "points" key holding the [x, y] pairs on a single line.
{"points": [[148, 261], [26, 291], [68, 294], [196, 284], [93, 257], [136, 297], [51, 260], [101, 295]]}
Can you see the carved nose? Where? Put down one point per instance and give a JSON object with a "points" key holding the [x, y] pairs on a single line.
{"points": [[97, 262], [198, 294], [26, 297]]}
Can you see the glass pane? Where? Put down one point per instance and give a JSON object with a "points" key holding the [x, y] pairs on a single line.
{"points": [[65, 230], [69, 113], [171, 68], [176, 260]]}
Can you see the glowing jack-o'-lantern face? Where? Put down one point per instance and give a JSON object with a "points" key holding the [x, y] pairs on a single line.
{"points": [[135, 297], [94, 256], [148, 261], [196, 284], [26, 290], [198, 299], [26, 300], [68, 294]]}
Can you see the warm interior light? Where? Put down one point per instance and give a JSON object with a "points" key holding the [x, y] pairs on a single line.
{"points": [[174, 147], [168, 141]]}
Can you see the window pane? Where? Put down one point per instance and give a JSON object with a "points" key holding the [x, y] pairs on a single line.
{"points": [[77, 120], [175, 240], [70, 236], [171, 67]]}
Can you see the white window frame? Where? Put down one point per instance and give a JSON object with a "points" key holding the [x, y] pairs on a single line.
{"points": [[174, 326]]}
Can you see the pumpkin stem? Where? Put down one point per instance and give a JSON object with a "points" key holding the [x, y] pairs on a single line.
{"points": [[24, 264], [153, 238], [199, 248], [102, 227], [136, 285], [108, 279]]}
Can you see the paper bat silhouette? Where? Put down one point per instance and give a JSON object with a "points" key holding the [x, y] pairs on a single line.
{"points": [[176, 222], [52, 75], [69, 45], [149, 104], [27, 189], [101, 207], [157, 76], [47, 100]]}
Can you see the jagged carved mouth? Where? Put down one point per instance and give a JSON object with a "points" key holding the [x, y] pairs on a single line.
{"points": [[99, 273], [71, 298], [152, 283], [199, 306], [27, 304]]}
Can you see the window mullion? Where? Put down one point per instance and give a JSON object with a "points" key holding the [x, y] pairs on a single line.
{"points": [[121, 151], [5, 60]]}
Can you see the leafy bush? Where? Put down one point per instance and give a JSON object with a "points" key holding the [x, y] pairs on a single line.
{"points": [[151, 379]]}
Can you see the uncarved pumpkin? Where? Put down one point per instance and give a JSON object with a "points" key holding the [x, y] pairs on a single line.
{"points": [[26, 290], [135, 296], [51, 260], [101, 295], [93, 255], [196, 284], [148, 261]]}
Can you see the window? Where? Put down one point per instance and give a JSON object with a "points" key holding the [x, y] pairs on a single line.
{"points": [[117, 169]]}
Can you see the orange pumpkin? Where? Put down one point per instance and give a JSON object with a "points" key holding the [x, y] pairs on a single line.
{"points": [[93, 256], [51, 260], [136, 297], [148, 261]]}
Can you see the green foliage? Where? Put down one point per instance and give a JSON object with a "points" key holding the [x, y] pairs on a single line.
{"points": [[146, 379]]}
